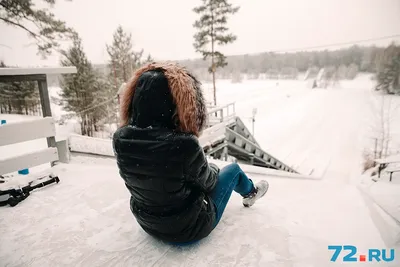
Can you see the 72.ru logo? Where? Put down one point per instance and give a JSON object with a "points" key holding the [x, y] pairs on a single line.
{"points": [[351, 254]]}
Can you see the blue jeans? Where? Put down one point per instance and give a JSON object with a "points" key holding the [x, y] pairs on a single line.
{"points": [[231, 178]]}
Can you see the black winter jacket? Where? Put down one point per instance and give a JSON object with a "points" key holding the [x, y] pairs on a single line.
{"points": [[159, 156], [169, 179]]}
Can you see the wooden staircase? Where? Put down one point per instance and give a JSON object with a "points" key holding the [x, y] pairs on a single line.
{"points": [[228, 136]]}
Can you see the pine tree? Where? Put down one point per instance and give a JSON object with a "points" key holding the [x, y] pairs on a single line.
{"points": [[19, 97], [107, 113], [149, 59], [3, 93], [79, 92], [388, 74], [212, 32], [39, 23], [236, 77], [123, 60], [352, 71], [137, 59], [342, 72]]}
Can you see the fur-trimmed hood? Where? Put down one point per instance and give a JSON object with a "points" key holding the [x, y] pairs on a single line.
{"points": [[189, 114]]}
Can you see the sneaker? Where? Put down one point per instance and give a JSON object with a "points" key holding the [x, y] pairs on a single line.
{"points": [[259, 191]]}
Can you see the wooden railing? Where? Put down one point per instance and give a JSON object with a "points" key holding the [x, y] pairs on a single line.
{"points": [[19, 132], [221, 113], [245, 146]]}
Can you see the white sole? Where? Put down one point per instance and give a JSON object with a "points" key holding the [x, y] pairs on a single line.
{"points": [[248, 205]]}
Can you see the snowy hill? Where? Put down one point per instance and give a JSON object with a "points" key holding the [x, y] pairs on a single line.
{"points": [[86, 221]]}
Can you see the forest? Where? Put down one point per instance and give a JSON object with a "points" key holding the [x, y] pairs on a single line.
{"points": [[365, 58]]}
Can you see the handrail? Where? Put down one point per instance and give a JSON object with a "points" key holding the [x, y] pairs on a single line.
{"points": [[216, 109], [219, 112], [256, 147]]}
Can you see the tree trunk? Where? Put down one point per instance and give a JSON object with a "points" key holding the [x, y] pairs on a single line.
{"points": [[115, 76], [214, 89], [96, 128], [124, 71], [213, 68], [82, 127], [91, 128], [383, 136], [88, 126]]}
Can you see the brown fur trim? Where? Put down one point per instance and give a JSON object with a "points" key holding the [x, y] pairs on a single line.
{"points": [[185, 90]]}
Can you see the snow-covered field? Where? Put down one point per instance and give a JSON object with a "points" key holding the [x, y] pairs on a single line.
{"points": [[323, 131], [85, 220]]}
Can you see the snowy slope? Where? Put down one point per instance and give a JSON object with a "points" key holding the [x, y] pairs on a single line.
{"points": [[385, 193], [86, 221], [318, 131]]}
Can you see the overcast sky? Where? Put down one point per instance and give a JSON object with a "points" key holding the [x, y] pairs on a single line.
{"points": [[164, 27]]}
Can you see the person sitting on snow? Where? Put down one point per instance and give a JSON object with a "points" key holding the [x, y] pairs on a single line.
{"points": [[176, 195]]}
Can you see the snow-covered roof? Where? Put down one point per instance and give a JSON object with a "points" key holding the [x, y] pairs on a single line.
{"points": [[390, 159], [85, 220], [36, 71]]}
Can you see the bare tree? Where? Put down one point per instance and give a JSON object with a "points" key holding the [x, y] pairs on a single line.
{"points": [[382, 125]]}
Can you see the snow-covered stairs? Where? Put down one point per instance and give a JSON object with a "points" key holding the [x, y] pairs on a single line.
{"points": [[231, 137]]}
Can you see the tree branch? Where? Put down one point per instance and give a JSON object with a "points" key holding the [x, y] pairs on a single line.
{"points": [[34, 35], [3, 45]]}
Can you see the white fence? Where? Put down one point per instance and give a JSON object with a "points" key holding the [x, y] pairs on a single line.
{"points": [[90, 145], [103, 147], [14, 133], [219, 117]]}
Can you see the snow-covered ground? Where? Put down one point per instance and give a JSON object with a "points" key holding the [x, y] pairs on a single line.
{"points": [[386, 195], [85, 220], [322, 131]]}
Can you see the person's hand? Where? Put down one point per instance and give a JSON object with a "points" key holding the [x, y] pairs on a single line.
{"points": [[214, 167]]}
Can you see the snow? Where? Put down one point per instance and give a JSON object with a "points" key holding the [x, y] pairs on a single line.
{"points": [[390, 159], [386, 198], [304, 127], [385, 193], [56, 110], [85, 220], [90, 145]]}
